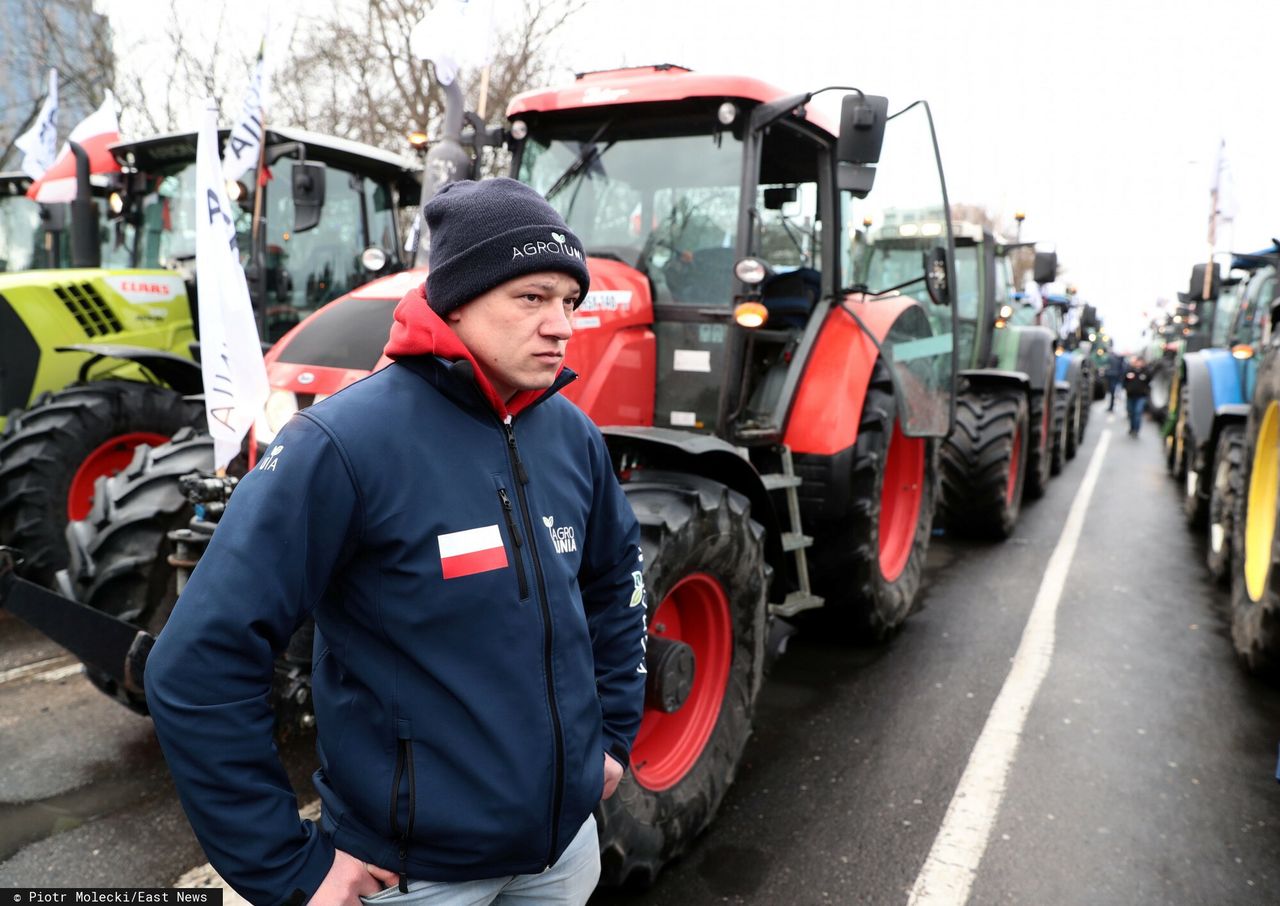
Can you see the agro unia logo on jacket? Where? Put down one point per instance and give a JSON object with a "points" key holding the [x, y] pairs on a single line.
{"points": [[559, 245], [562, 537]]}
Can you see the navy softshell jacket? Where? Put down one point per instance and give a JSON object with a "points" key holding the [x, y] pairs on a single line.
{"points": [[479, 606]]}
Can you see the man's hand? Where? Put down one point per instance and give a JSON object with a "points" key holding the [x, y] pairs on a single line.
{"points": [[612, 775], [349, 879]]}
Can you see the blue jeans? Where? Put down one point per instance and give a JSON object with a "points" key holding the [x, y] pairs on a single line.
{"points": [[567, 883], [1136, 406]]}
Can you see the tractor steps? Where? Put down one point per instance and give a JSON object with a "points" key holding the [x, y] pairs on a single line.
{"points": [[794, 541]]}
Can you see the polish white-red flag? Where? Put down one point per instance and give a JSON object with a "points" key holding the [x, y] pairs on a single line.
{"points": [[476, 550], [95, 133]]}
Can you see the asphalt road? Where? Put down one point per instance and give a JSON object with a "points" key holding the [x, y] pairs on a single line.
{"points": [[1144, 772]]}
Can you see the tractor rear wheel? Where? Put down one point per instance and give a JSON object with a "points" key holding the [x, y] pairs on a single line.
{"points": [[118, 560], [705, 579], [1224, 501], [52, 454], [1255, 582], [867, 564], [983, 464], [1040, 448]]}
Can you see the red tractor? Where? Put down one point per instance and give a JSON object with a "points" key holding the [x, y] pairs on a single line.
{"points": [[769, 354]]}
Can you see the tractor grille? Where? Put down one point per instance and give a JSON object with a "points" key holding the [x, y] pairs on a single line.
{"points": [[89, 309], [19, 356]]}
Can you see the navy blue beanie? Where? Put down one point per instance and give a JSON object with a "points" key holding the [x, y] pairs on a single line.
{"points": [[485, 233]]}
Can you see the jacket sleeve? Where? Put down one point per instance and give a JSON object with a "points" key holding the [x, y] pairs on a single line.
{"points": [[612, 583], [288, 524]]}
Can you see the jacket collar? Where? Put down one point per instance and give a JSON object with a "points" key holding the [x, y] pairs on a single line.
{"points": [[419, 336]]}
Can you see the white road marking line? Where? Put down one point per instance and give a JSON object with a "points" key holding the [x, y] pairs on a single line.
{"points": [[52, 676], [952, 864], [205, 876], [16, 673]]}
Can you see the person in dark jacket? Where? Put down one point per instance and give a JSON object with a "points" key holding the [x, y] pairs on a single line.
{"points": [[456, 530], [1116, 369], [1137, 387]]}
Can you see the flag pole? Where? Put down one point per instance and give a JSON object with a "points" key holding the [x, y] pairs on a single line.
{"points": [[1213, 219], [484, 92]]}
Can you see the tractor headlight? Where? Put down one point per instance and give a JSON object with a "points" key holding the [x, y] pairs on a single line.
{"points": [[280, 407], [751, 271], [1006, 312]]}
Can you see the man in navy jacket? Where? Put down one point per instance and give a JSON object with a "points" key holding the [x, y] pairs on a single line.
{"points": [[457, 532]]}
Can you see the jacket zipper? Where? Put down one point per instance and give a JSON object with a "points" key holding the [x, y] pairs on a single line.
{"points": [[508, 511], [404, 757], [522, 477]]}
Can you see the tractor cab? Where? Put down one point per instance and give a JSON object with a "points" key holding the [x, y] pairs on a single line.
{"points": [[732, 219], [36, 236], [328, 210]]}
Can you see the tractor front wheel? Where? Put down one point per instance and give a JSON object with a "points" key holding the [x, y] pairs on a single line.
{"points": [[1224, 502], [118, 560], [705, 580], [983, 464], [1255, 583], [52, 455], [1040, 448], [867, 565], [1061, 428]]}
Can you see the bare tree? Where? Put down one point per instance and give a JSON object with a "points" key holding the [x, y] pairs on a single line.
{"points": [[353, 75], [66, 35]]}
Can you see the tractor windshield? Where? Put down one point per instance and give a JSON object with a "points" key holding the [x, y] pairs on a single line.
{"points": [[667, 206], [303, 270]]}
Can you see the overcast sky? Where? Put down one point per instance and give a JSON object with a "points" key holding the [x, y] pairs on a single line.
{"points": [[1100, 119]]}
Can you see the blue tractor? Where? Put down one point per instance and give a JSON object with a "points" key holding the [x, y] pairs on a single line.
{"points": [[1215, 385]]}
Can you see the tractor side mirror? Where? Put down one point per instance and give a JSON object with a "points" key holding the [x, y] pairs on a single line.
{"points": [[1089, 318], [935, 275], [308, 195], [1046, 269], [774, 199], [862, 122], [1196, 288]]}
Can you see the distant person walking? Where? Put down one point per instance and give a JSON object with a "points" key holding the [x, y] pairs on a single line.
{"points": [[1115, 377], [1137, 387]]}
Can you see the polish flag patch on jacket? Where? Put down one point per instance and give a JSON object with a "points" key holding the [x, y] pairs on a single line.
{"points": [[476, 550]]}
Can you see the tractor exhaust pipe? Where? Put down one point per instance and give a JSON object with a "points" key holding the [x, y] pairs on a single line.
{"points": [[85, 249], [447, 161]]}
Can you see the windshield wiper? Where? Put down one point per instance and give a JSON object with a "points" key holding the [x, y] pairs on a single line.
{"points": [[585, 156]]}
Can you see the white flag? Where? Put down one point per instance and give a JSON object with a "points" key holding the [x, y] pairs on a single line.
{"points": [[235, 379], [39, 144], [245, 141], [455, 33]]}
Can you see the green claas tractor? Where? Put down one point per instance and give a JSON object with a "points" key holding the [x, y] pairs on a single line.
{"points": [[1001, 444], [95, 361]]}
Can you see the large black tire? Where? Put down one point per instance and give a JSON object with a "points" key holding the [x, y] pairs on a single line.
{"points": [[1061, 428], [1160, 391], [1178, 440], [1224, 502], [42, 449], [1071, 442], [1040, 449], [983, 463], [864, 602], [118, 560], [1255, 572], [689, 527]]}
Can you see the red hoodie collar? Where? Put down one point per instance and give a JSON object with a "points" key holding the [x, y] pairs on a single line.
{"points": [[418, 330]]}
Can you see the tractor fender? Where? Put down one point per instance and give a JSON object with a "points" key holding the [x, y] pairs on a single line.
{"points": [[994, 377], [1198, 379], [828, 404], [181, 374], [709, 457], [1035, 352]]}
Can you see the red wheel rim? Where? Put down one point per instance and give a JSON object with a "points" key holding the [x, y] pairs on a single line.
{"points": [[108, 459], [900, 494], [1015, 462], [695, 612]]}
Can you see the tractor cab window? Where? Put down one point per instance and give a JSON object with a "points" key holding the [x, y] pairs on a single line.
{"points": [[666, 204], [1255, 310], [167, 231], [968, 295], [305, 270], [21, 234], [1224, 313]]}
